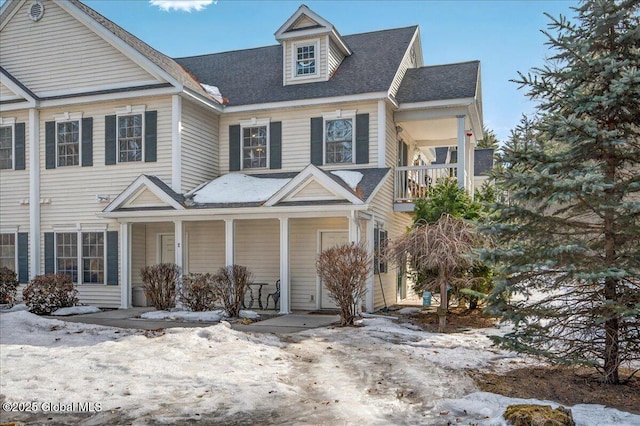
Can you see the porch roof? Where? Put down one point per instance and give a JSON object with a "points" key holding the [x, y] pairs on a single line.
{"points": [[439, 82]]}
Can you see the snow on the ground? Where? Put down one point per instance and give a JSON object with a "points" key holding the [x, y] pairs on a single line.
{"points": [[349, 177], [238, 188], [76, 310], [16, 308], [485, 408], [378, 374], [408, 311], [204, 316]]}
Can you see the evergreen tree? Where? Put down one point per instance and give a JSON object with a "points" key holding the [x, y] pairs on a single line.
{"points": [[568, 237], [490, 139]]}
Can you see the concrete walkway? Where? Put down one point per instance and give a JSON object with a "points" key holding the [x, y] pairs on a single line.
{"points": [[130, 318]]}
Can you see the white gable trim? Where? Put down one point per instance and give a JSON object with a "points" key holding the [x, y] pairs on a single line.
{"points": [[293, 196], [15, 88], [120, 44], [415, 37], [132, 192], [302, 10], [312, 172], [378, 186], [13, 12]]}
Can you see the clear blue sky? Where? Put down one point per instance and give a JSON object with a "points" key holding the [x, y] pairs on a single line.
{"points": [[504, 35]]}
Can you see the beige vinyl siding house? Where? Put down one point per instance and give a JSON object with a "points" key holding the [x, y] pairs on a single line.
{"points": [[129, 154]]}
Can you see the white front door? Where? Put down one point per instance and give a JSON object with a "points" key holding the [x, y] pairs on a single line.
{"points": [[167, 248], [330, 239]]}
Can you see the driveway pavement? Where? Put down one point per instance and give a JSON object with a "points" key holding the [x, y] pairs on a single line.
{"points": [[130, 318]]}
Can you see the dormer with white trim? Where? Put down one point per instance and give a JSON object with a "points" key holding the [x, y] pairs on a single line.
{"points": [[312, 49]]}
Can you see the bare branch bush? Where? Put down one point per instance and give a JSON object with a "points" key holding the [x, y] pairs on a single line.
{"points": [[344, 270], [197, 292], [230, 284], [50, 292], [159, 283], [444, 247], [8, 286]]}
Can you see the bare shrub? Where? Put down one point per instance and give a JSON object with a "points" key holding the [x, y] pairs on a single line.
{"points": [[344, 270], [230, 284], [50, 292], [8, 286], [198, 292], [159, 283]]}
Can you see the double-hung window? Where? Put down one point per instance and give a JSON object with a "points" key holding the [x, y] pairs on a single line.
{"points": [[8, 251], [305, 58], [130, 131], [6, 147], [339, 137], [81, 255], [254, 143], [68, 143]]}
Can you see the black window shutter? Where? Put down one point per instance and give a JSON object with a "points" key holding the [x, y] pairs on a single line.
{"points": [[110, 149], [234, 147], [49, 253], [275, 145], [362, 138], [20, 147], [23, 257], [112, 258], [151, 136], [50, 144], [316, 141], [87, 142], [405, 154]]}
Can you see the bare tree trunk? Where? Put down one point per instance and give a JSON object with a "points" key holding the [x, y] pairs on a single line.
{"points": [[444, 303]]}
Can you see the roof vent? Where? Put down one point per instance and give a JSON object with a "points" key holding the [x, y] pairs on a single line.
{"points": [[36, 11]]}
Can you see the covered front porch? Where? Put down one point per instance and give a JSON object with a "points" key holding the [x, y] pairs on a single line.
{"points": [[437, 130]]}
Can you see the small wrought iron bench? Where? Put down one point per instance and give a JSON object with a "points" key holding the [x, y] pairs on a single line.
{"points": [[275, 296]]}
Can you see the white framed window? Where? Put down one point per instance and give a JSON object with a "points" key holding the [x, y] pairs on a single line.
{"points": [[339, 137], [8, 251], [82, 256], [255, 143], [7, 143], [68, 146], [306, 56], [130, 134]]}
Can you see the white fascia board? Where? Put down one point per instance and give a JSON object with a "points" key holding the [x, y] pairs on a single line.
{"points": [[335, 35], [374, 96], [206, 214], [14, 106], [312, 32], [13, 12], [302, 10], [109, 97], [476, 121], [406, 52], [195, 97], [377, 188], [309, 172], [444, 103], [15, 88], [100, 88], [141, 182], [120, 44]]}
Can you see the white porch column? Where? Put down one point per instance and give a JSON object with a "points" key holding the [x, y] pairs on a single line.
{"points": [[178, 233], [34, 192], [229, 241], [371, 279], [285, 284], [354, 229], [470, 165], [462, 152], [125, 265]]}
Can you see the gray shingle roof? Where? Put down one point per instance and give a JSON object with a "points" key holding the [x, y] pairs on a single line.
{"points": [[166, 188], [439, 82], [254, 76]]}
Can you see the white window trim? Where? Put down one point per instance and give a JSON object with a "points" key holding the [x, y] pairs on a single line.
{"points": [[339, 115], [124, 112], [255, 122], [14, 232], [11, 122], [79, 229], [294, 58], [66, 118]]}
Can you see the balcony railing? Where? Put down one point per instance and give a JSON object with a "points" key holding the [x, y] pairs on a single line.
{"points": [[413, 182]]}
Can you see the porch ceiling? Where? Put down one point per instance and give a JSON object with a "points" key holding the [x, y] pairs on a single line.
{"points": [[431, 132]]}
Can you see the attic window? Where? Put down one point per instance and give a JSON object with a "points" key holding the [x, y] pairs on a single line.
{"points": [[305, 57], [36, 11]]}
